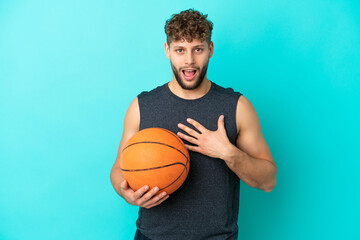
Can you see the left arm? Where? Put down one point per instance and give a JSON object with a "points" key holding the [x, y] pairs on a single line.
{"points": [[250, 159]]}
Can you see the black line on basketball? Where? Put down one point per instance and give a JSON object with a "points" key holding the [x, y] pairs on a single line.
{"points": [[177, 137], [152, 168], [169, 165], [156, 143], [174, 180]]}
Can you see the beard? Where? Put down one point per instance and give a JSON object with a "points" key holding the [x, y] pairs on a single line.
{"points": [[198, 81]]}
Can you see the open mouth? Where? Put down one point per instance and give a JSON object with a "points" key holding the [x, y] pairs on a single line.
{"points": [[189, 74]]}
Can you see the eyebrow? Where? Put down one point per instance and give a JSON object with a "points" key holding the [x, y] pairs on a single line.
{"points": [[197, 46]]}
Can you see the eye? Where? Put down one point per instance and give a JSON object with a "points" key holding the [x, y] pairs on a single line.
{"points": [[198, 49], [179, 50]]}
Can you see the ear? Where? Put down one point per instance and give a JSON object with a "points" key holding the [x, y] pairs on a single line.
{"points": [[167, 50], [211, 49]]}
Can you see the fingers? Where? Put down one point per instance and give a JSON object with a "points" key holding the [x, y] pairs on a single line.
{"points": [[156, 200], [143, 197], [221, 124], [188, 138], [124, 185], [188, 130], [147, 196], [192, 148], [150, 198], [140, 192], [197, 125]]}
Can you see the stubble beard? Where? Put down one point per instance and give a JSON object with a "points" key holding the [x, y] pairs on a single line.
{"points": [[198, 81]]}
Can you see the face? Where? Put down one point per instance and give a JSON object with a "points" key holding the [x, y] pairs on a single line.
{"points": [[189, 61]]}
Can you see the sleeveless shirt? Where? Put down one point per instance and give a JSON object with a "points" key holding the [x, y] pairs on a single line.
{"points": [[206, 206]]}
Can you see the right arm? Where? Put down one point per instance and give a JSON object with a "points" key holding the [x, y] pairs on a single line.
{"points": [[142, 197]]}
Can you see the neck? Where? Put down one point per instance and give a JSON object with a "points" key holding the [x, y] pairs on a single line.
{"points": [[190, 94]]}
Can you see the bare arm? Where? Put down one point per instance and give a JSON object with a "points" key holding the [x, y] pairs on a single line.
{"points": [[141, 197], [250, 159]]}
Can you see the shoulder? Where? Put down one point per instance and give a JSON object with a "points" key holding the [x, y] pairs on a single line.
{"points": [[154, 92], [246, 115], [226, 92], [244, 104], [133, 113]]}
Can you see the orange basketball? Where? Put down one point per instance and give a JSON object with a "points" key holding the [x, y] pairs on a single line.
{"points": [[155, 157]]}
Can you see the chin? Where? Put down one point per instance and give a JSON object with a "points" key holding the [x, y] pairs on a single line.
{"points": [[190, 86]]}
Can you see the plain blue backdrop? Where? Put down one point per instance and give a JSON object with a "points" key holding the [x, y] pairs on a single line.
{"points": [[69, 70]]}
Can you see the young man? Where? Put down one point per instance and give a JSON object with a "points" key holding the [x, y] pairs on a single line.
{"points": [[222, 133]]}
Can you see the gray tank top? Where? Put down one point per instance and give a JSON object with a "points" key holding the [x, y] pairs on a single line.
{"points": [[206, 206]]}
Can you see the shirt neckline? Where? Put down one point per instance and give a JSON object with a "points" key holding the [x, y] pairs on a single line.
{"points": [[206, 95]]}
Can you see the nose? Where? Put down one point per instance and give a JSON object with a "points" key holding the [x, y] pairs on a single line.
{"points": [[189, 58]]}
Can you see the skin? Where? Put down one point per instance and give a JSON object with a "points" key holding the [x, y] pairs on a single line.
{"points": [[250, 159]]}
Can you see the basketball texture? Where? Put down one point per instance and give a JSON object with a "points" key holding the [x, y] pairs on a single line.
{"points": [[155, 157]]}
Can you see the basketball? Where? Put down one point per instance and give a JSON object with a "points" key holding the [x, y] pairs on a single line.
{"points": [[155, 157]]}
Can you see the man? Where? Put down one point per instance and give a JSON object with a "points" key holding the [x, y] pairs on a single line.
{"points": [[222, 133]]}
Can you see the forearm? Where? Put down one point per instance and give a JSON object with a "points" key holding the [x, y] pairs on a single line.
{"points": [[258, 173], [116, 179]]}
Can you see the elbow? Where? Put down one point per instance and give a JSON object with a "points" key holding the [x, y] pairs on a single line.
{"points": [[269, 187]]}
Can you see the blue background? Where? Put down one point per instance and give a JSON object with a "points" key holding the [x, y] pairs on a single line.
{"points": [[69, 70]]}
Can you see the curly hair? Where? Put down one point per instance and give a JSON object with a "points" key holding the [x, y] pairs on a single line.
{"points": [[188, 25]]}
